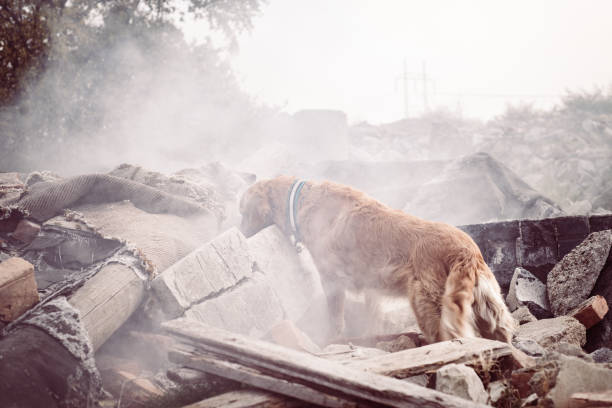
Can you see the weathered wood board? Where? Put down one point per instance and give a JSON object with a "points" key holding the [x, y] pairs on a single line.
{"points": [[470, 351], [330, 378]]}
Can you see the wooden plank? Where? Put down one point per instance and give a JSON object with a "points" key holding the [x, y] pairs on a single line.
{"points": [[107, 300], [591, 311], [326, 376], [427, 359], [197, 359], [247, 399], [591, 399]]}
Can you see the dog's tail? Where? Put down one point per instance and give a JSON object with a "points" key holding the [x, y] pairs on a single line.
{"points": [[472, 304]]}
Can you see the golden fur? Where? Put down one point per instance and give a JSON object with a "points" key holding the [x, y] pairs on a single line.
{"points": [[358, 243]]}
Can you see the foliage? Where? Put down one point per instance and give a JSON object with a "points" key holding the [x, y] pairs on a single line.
{"points": [[82, 75], [595, 102]]}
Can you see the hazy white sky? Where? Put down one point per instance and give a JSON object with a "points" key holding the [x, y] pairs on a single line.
{"points": [[480, 54]]}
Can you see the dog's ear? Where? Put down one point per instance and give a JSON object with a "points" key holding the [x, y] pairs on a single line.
{"points": [[255, 209]]}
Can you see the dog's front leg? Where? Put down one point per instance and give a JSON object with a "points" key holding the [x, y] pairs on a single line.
{"points": [[335, 303]]}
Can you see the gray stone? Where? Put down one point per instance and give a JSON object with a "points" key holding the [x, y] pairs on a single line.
{"points": [[527, 290], [522, 315], [548, 333], [529, 347], [576, 375], [573, 350], [571, 281], [462, 381], [210, 269], [421, 379], [496, 390], [602, 355]]}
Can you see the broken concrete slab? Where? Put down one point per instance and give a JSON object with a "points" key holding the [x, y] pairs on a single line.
{"points": [[570, 282], [211, 269], [591, 311], [549, 332], [462, 381], [527, 290], [536, 246], [18, 290], [576, 375], [249, 308], [292, 277]]}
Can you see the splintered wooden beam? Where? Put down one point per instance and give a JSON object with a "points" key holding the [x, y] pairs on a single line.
{"points": [[426, 359], [268, 366]]}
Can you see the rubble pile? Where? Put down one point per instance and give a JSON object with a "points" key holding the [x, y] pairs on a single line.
{"points": [[136, 289], [563, 154]]}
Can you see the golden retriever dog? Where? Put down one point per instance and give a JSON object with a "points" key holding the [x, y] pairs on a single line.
{"points": [[357, 243]]}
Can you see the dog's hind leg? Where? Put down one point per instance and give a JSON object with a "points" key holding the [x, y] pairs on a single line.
{"points": [[457, 318], [492, 315], [425, 303]]}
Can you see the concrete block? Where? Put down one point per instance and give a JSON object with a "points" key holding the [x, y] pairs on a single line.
{"points": [[497, 242], [536, 247], [18, 290], [527, 290], [570, 232], [548, 333], [250, 308], [462, 381], [291, 276], [576, 375], [217, 266], [571, 280]]}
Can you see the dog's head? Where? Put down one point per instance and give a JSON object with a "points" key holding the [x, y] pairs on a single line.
{"points": [[255, 209], [264, 204]]}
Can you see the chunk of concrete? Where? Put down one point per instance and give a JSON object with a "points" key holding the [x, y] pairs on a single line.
{"points": [[529, 347], [572, 279], [527, 290], [522, 315], [217, 266], [462, 381], [548, 333], [497, 390], [18, 290], [249, 308], [291, 276], [576, 375]]}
